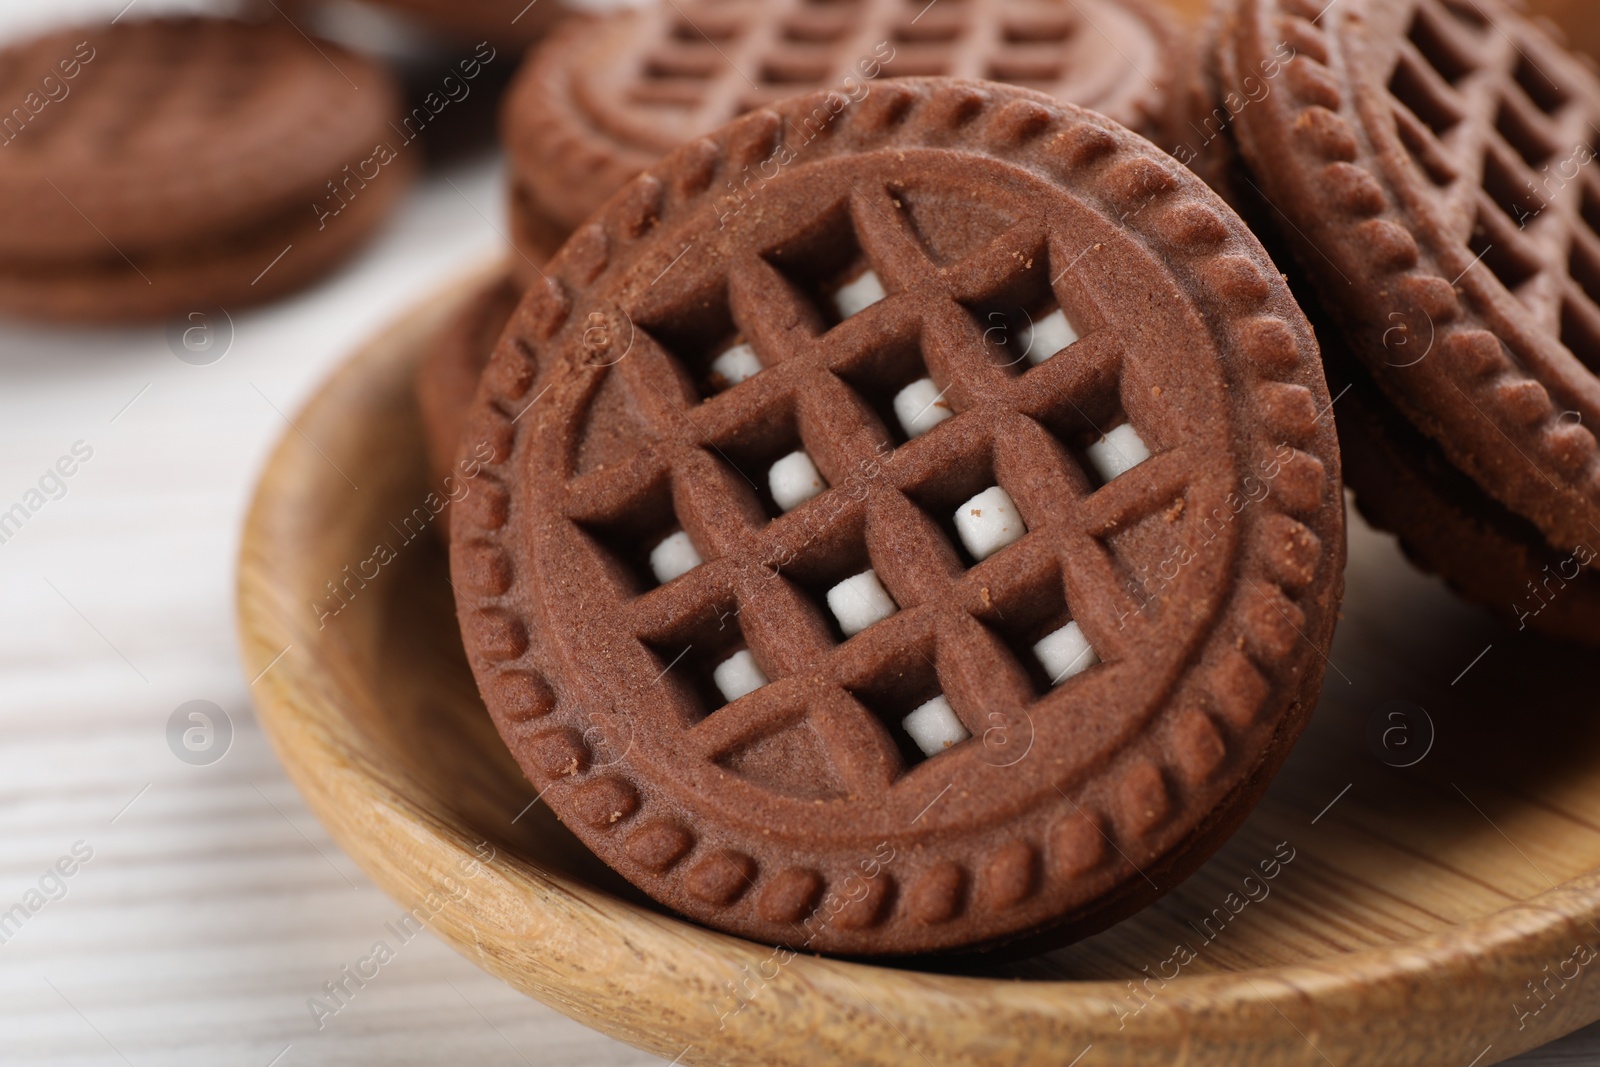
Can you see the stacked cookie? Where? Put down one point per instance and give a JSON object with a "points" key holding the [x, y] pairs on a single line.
{"points": [[603, 98], [153, 167], [1426, 166], [915, 514]]}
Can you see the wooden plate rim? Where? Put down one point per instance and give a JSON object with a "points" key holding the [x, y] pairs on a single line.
{"points": [[651, 980]]}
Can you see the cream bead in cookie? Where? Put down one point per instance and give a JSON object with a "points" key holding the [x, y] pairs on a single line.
{"points": [[1043, 339], [735, 365], [920, 407], [859, 601], [738, 675], [1118, 452], [935, 727], [674, 556], [794, 479], [858, 295], [989, 522], [1065, 652]]}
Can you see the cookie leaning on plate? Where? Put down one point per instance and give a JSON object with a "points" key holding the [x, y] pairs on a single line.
{"points": [[604, 98], [448, 375], [155, 166], [891, 560], [1428, 162]]}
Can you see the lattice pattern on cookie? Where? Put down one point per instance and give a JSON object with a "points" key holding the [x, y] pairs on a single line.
{"points": [[1516, 184], [721, 57], [1444, 181], [988, 639], [826, 397]]}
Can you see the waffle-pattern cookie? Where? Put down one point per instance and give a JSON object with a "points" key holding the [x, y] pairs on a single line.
{"points": [[907, 557], [179, 159], [1428, 163], [603, 99]]}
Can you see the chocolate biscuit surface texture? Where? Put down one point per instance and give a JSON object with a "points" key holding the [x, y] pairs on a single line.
{"points": [[605, 98], [897, 553], [1429, 164], [179, 163]]}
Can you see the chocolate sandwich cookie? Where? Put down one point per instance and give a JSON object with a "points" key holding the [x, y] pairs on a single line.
{"points": [[448, 375], [602, 99], [1450, 527], [936, 544], [1428, 164], [151, 167]]}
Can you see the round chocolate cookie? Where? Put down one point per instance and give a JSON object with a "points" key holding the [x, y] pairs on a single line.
{"points": [[604, 98], [154, 166], [1427, 164], [935, 544], [448, 375]]}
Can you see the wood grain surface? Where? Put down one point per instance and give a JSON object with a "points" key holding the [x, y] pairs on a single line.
{"points": [[1437, 913]]}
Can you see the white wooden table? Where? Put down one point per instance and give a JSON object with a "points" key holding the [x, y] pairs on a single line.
{"points": [[213, 906]]}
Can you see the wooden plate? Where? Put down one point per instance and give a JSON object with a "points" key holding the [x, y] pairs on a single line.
{"points": [[1440, 913]]}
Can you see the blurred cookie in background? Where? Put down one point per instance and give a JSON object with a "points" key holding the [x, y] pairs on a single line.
{"points": [[151, 166], [507, 23], [448, 376], [1578, 19], [601, 99]]}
